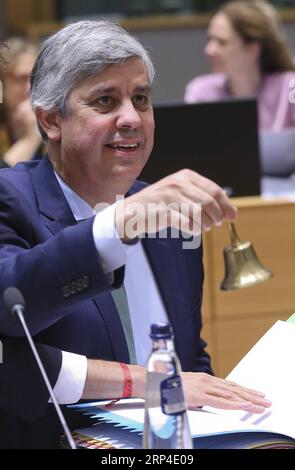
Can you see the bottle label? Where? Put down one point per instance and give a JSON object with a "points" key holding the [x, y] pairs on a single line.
{"points": [[152, 395], [172, 398]]}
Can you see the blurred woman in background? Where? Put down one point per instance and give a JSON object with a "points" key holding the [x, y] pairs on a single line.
{"points": [[2, 61], [20, 139], [249, 57]]}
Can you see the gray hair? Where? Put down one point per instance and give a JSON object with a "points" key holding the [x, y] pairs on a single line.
{"points": [[78, 51]]}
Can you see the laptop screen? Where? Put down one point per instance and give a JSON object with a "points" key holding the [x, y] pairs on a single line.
{"points": [[277, 151], [217, 139]]}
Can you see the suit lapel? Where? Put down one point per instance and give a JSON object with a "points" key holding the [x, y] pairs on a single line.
{"points": [[52, 204], [57, 215]]}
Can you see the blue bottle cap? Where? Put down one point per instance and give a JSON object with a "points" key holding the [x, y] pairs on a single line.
{"points": [[161, 331]]}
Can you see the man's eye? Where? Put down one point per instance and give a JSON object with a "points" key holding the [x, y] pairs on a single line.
{"points": [[103, 101], [141, 100]]}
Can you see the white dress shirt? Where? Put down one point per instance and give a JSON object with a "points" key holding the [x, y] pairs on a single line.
{"points": [[144, 300]]}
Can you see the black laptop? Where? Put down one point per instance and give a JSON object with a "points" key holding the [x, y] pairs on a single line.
{"points": [[217, 139]]}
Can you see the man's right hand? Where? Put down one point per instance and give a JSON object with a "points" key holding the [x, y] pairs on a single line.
{"points": [[160, 205]]}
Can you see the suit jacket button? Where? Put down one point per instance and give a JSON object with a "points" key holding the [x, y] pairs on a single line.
{"points": [[86, 282], [66, 291], [73, 289]]}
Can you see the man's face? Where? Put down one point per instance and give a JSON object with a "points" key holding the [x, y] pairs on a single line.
{"points": [[226, 50], [107, 135]]}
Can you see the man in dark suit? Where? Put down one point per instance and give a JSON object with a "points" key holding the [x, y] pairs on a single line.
{"points": [[90, 90]]}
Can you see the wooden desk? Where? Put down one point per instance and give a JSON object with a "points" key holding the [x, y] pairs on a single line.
{"points": [[235, 320]]}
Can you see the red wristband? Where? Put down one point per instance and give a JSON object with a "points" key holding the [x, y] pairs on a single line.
{"points": [[127, 388]]}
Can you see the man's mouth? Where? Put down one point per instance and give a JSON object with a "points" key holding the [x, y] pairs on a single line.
{"points": [[124, 147]]}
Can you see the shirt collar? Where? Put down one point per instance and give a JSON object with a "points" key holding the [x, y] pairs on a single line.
{"points": [[80, 208]]}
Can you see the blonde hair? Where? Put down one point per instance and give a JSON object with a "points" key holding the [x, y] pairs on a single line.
{"points": [[258, 21], [14, 47], [2, 59]]}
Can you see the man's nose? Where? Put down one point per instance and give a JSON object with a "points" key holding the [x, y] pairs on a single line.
{"points": [[128, 116]]}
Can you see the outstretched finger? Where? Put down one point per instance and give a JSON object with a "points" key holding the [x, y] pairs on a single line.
{"points": [[238, 387]]}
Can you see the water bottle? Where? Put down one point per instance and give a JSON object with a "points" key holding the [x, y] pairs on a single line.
{"points": [[165, 422]]}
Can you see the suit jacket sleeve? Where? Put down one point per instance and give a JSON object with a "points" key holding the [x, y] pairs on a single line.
{"points": [[56, 275], [23, 392]]}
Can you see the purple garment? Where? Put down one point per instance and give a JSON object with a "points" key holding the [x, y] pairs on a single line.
{"points": [[275, 109]]}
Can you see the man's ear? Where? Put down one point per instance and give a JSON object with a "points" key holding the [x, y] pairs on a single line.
{"points": [[50, 123]]}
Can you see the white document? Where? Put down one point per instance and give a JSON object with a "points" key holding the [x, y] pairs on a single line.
{"points": [[201, 422], [269, 367]]}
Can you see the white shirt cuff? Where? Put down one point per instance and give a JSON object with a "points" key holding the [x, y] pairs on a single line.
{"points": [[71, 380], [112, 251]]}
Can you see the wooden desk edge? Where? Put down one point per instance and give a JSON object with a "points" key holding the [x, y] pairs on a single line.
{"points": [[258, 201]]}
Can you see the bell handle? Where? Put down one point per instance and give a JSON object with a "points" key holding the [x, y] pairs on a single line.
{"points": [[234, 238]]}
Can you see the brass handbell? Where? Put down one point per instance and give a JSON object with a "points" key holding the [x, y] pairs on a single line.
{"points": [[242, 267]]}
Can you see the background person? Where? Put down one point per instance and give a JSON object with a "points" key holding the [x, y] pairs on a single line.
{"points": [[2, 61], [250, 58], [20, 139]]}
